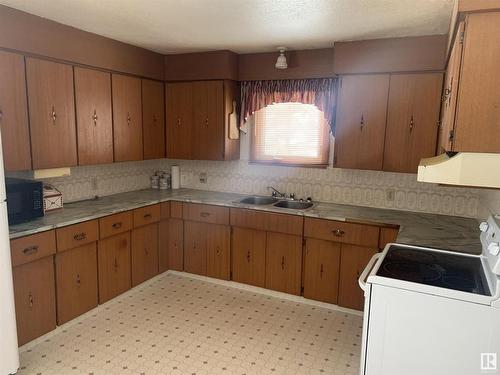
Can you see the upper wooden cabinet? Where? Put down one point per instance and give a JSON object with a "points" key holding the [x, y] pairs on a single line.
{"points": [[361, 119], [127, 118], [412, 120], [477, 112], [198, 116], [153, 119], [94, 121], [14, 113], [52, 114]]}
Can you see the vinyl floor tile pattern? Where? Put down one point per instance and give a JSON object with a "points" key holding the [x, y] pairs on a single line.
{"points": [[180, 325]]}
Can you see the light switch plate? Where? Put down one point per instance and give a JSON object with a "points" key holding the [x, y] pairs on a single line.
{"points": [[203, 178]]}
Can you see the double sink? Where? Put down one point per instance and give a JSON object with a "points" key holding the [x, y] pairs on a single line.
{"points": [[279, 203]]}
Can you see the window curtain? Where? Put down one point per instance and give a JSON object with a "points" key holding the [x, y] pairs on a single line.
{"points": [[256, 95]]}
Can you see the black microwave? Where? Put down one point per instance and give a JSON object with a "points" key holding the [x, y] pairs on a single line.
{"points": [[24, 199]]}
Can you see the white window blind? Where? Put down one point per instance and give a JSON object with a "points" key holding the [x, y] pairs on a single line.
{"points": [[290, 133]]}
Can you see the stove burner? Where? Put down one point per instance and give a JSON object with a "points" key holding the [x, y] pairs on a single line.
{"points": [[413, 271], [458, 282]]}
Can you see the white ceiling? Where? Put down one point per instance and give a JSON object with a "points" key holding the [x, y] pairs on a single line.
{"points": [[172, 26]]}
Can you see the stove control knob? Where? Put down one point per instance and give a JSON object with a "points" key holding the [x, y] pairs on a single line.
{"points": [[483, 227], [494, 248]]}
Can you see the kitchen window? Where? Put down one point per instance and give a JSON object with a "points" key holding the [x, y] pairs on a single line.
{"points": [[290, 134]]}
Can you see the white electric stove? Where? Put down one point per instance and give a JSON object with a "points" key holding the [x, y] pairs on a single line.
{"points": [[433, 312]]}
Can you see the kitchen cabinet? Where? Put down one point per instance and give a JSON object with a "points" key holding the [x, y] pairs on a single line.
{"points": [[35, 300], [249, 256], [218, 251], [284, 262], [153, 119], [198, 120], [113, 258], [76, 281], [353, 261], [94, 121], [171, 254], [321, 270], [195, 248], [127, 118], [387, 235], [412, 120], [51, 106], [144, 253], [14, 113], [361, 121]]}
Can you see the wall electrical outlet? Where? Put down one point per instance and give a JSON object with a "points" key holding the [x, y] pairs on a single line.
{"points": [[390, 194], [203, 178]]}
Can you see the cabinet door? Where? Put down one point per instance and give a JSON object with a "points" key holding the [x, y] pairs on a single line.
{"points": [[449, 98], [195, 247], [284, 263], [361, 118], [218, 254], [354, 260], [114, 266], [249, 256], [76, 282], [478, 109], [52, 114], [208, 122], [34, 293], [171, 253], [144, 253], [412, 120], [153, 119], [321, 272], [127, 118], [14, 113], [93, 116], [179, 114]]}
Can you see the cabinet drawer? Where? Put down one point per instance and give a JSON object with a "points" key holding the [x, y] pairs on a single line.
{"points": [[146, 215], [271, 222], [357, 234], [176, 209], [77, 235], [30, 248], [205, 213], [165, 210], [115, 224]]}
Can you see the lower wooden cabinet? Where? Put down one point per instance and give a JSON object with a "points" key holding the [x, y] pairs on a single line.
{"points": [[353, 261], [171, 246], [195, 248], [284, 262], [249, 256], [321, 270], [114, 266], [76, 282], [35, 299], [144, 258]]}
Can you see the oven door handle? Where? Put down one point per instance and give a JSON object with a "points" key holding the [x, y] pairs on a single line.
{"points": [[367, 270]]}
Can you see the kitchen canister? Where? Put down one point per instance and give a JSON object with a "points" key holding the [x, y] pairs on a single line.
{"points": [[163, 182], [176, 177], [155, 181]]}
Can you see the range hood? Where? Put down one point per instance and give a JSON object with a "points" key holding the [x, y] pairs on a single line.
{"points": [[462, 168]]}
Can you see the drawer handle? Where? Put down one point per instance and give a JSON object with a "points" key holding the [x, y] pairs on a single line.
{"points": [[78, 281], [338, 232], [147, 216], [283, 262], [204, 214], [30, 300], [80, 236], [31, 250], [248, 256], [117, 225]]}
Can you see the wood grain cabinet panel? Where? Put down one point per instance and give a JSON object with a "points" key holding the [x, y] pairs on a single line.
{"points": [[94, 121], [77, 235], [115, 224], [266, 221], [205, 213], [321, 270], [147, 215], [284, 263], [179, 119], [218, 251], [127, 118], [51, 113], [144, 253], [249, 256], [29, 248], [339, 231], [361, 120], [412, 120], [353, 261], [153, 119], [14, 113], [387, 235], [76, 281], [171, 248], [113, 258], [34, 294], [195, 248]]}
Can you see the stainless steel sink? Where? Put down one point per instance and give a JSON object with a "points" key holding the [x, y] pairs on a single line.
{"points": [[296, 205], [260, 201]]}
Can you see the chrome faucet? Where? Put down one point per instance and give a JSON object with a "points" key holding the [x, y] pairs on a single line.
{"points": [[276, 193]]}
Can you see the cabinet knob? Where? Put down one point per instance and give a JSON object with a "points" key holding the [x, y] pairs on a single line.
{"points": [[206, 122], [30, 301], [178, 122], [338, 232], [411, 124], [146, 251], [321, 271], [94, 117], [116, 265], [78, 281], [362, 122], [248, 256], [217, 251], [1, 115], [154, 120], [53, 115], [283, 262], [129, 118]]}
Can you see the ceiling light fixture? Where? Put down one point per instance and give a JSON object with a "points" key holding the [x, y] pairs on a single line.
{"points": [[281, 61]]}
